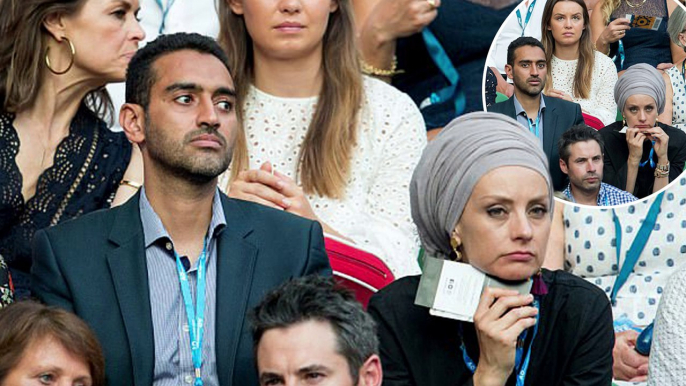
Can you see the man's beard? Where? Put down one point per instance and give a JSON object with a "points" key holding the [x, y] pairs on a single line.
{"points": [[199, 168]]}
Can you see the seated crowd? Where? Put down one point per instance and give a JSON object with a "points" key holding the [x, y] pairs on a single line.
{"points": [[268, 185]]}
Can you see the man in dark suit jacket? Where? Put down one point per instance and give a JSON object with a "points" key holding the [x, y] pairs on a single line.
{"points": [[547, 117], [132, 272]]}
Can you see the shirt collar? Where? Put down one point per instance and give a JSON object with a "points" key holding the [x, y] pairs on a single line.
{"points": [[519, 110], [153, 229]]}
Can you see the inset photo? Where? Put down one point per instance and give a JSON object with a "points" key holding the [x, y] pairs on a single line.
{"points": [[601, 84]]}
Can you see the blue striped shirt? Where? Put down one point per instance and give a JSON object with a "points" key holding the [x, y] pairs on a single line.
{"points": [[173, 361]]}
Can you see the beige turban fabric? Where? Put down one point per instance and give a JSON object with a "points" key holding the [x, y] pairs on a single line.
{"points": [[452, 164]]}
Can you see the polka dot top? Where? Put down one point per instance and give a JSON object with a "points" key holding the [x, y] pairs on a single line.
{"points": [[601, 103], [590, 249], [679, 98], [375, 210]]}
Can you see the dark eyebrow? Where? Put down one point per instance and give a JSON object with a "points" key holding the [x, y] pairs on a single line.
{"points": [[266, 377], [124, 4], [226, 91], [313, 368]]}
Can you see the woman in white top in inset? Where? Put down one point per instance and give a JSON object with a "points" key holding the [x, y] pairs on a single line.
{"points": [[578, 72], [318, 139]]}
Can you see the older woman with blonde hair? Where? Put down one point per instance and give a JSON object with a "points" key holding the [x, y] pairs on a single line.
{"points": [[58, 160], [318, 139], [482, 195]]}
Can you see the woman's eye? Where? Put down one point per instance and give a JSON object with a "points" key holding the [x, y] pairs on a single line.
{"points": [[46, 379], [496, 212], [119, 14], [539, 211]]}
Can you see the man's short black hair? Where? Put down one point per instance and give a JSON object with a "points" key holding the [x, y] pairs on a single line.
{"points": [[320, 299], [521, 42], [140, 76], [577, 133]]}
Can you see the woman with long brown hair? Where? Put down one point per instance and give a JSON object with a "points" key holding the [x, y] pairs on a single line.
{"points": [[318, 139], [578, 72], [58, 159]]}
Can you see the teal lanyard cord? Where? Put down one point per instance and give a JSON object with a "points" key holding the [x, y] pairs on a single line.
{"points": [[165, 12], [442, 61], [529, 11], [650, 157], [196, 318], [636, 247], [534, 129], [521, 366]]}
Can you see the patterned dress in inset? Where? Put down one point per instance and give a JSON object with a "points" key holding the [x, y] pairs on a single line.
{"points": [[590, 248], [679, 98]]}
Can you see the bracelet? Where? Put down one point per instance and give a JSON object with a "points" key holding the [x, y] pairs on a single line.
{"points": [[661, 171], [368, 69], [133, 184]]}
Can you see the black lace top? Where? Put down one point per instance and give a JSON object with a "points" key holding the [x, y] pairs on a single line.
{"points": [[86, 170]]}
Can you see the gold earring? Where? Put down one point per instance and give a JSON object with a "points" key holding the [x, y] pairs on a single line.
{"points": [[71, 62], [454, 244], [623, 121]]}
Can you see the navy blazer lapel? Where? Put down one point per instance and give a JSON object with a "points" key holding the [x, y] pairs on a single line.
{"points": [[549, 127], [129, 272], [236, 259]]}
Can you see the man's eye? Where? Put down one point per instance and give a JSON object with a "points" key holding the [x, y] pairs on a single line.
{"points": [[184, 99], [225, 105]]}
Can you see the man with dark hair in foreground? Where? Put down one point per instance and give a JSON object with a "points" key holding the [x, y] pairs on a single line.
{"points": [[581, 159], [166, 279], [309, 331]]}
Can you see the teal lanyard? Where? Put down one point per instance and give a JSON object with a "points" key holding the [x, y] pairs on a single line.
{"points": [[165, 12], [650, 157], [637, 245], [620, 52], [529, 11], [520, 366], [196, 318], [442, 61], [534, 129]]}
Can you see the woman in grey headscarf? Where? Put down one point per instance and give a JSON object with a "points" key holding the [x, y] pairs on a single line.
{"points": [[481, 195], [642, 155]]}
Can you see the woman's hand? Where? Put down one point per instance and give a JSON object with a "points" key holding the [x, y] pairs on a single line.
{"points": [[635, 139], [260, 186], [614, 31], [559, 94], [393, 19], [661, 142], [628, 365], [499, 319], [295, 200]]}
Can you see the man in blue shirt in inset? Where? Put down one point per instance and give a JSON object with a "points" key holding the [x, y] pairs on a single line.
{"points": [[581, 159]]}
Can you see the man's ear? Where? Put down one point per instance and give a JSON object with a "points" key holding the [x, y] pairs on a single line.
{"points": [[508, 71], [563, 167], [236, 6], [132, 120], [370, 372]]}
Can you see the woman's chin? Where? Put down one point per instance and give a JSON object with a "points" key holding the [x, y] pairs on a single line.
{"points": [[514, 273]]}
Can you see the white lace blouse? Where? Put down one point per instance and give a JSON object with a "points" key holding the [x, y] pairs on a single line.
{"points": [[375, 210], [601, 103]]}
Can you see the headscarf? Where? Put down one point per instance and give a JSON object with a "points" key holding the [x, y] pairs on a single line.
{"points": [[452, 164], [641, 79]]}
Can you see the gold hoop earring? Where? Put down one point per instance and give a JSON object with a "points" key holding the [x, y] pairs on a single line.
{"points": [[71, 62], [454, 244], [623, 122]]}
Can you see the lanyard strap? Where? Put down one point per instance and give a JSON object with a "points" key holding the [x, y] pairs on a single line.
{"points": [[637, 245], [521, 366], [196, 318], [165, 12], [650, 157], [622, 56], [442, 61], [529, 11], [535, 129]]}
